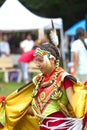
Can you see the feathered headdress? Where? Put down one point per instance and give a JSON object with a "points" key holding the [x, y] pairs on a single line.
{"points": [[53, 35]]}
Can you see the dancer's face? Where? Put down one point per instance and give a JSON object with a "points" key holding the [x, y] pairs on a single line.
{"points": [[44, 64]]}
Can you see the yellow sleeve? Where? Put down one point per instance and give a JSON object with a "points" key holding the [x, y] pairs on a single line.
{"points": [[79, 99], [17, 105]]}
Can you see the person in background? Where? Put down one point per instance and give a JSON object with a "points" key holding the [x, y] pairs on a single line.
{"points": [[79, 55], [24, 60], [4, 46], [28, 43], [26, 47]]}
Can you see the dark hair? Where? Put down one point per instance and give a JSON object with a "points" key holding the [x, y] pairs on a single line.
{"points": [[79, 33], [51, 48], [34, 47], [28, 33]]}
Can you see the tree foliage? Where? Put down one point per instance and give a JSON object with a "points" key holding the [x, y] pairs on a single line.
{"points": [[1, 2], [70, 10]]}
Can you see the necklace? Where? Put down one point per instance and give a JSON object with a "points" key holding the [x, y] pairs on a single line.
{"points": [[57, 94]]}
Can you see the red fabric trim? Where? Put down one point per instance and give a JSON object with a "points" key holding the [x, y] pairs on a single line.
{"points": [[56, 123], [66, 83], [47, 77], [2, 98], [85, 120]]}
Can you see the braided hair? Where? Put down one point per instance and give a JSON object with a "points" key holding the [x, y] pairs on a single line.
{"points": [[52, 49]]}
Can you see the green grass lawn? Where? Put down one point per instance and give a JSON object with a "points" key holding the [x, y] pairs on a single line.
{"points": [[7, 88]]}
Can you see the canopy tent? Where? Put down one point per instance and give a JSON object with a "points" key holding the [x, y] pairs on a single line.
{"points": [[15, 17], [72, 31]]}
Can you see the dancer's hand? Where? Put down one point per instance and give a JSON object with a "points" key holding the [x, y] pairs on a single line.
{"points": [[30, 111], [3, 103]]}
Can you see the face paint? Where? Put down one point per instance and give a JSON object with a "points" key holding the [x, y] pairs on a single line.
{"points": [[46, 56], [46, 60]]}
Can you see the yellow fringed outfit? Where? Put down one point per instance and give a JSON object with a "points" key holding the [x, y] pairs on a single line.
{"points": [[79, 99], [17, 105]]}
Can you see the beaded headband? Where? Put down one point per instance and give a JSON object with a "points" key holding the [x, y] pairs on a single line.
{"points": [[40, 52]]}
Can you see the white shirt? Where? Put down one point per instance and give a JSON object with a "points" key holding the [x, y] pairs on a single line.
{"points": [[78, 46], [27, 45], [4, 48]]}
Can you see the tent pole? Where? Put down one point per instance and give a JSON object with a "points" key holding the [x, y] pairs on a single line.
{"points": [[40, 33], [61, 47], [86, 21]]}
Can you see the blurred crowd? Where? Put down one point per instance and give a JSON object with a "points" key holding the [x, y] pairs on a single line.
{"points": [[23, 44]]}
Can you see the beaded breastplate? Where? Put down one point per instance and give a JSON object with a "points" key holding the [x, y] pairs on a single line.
{"points": [[46, 93]]}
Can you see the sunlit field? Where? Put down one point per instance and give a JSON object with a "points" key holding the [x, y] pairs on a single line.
{"points": [[7, 88]]}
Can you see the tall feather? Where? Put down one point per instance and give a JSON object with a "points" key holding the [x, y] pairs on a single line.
{"points": [[53, 35]]}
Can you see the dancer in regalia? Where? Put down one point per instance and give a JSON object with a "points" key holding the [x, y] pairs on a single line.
{"points": [[54, 100]]}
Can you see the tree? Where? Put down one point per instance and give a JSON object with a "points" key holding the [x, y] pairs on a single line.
{"points": [[70, 10]]}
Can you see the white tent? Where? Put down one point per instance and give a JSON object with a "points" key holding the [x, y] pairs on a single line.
{"points": [[15, 17]]}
